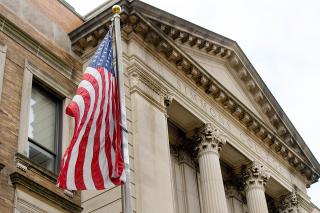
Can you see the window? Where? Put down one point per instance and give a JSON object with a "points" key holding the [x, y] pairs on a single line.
{"points": [[44, 129]]}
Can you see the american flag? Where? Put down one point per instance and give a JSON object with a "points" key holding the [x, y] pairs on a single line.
{"points": [[93, 159]]}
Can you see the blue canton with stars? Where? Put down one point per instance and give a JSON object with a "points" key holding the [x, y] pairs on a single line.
{"points": [[103, 56]]}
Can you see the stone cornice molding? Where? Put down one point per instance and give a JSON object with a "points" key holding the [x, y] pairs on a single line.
{"points": [[49, 81], [304, 202], [189, 34], [224, 98], [31, 176], [209, 139], [147, 86], [136, 71], [24, 164], [254, 175], [66, 66], [164, 40]]}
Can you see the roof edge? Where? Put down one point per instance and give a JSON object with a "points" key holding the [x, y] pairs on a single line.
{"points": [[205, 33]]}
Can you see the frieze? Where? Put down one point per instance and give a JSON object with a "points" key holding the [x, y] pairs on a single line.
{"points": [[236, 136]]}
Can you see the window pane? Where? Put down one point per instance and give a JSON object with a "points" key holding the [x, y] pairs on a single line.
{"points": [[41, 157], [42, 119]]}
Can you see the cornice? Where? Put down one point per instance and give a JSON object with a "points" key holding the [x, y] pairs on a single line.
{"points": [[136, 68], [139, 81], [166, 38], [49, 81], [24, 162], [35, 46], [219, 93], [70, 8], [304, 203], [223, 48]]}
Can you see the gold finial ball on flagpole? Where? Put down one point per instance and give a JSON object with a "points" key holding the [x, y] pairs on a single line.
{"points": [[116, 9]]}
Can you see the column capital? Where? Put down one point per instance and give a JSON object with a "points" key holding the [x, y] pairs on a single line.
{"points": [[209, 139], [255, 175], [167, 100], [289, 203]]}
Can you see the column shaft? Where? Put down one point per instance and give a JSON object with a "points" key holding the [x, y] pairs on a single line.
{"points": [[256, 200]]}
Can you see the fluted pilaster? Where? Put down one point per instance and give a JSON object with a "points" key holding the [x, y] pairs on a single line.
{"points": [[234, 198], [255, 178], [289, 203], [213, 195]]}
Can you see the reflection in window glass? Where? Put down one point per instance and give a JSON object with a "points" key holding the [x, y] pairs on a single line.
{"points": [[42, 119], [41, 157], [43, 126]]}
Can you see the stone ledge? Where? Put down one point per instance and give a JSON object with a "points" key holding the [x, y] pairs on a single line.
{"points": [[18, 178], [24, 162]]}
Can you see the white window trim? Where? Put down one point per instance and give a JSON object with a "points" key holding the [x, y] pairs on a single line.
{"points": [[24, 111], [3, 53], [30, 72], [67, 126]]}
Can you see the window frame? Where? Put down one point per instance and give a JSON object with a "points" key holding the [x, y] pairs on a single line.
{"points": [[32, 74], [58, 124]]}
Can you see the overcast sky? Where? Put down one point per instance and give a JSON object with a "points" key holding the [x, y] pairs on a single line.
{"points": [[280, 38]]}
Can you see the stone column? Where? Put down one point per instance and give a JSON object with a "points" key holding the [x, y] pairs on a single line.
{"points": [[212, 189], [255, 178], [289, 204]]}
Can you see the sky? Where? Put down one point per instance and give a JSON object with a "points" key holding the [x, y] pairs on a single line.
{"points": [[280, 38]]}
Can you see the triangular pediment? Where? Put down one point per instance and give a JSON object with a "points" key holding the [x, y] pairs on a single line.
{"points": [[221, 71], [216, 65], [248, 87]]}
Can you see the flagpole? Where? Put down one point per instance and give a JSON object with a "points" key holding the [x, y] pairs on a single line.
{"points": [[125, 189]]}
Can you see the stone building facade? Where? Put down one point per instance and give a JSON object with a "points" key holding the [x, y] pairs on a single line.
{"points": [[205, 133]]}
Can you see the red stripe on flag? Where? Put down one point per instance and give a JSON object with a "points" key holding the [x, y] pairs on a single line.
{"points": [[95, 167], [73, 109], [84, 141]]}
